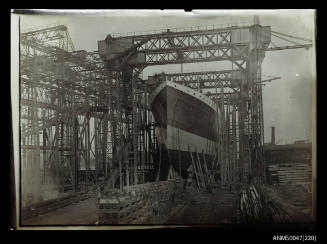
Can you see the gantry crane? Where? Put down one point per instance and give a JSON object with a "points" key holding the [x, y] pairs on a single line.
{"points": [[245, 47], [66, 92]]}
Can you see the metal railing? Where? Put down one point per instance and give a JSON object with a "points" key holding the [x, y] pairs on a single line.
{"points": [[182, 29]]}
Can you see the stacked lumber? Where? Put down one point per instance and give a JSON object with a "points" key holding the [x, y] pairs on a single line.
{"points": [[290, 174]]}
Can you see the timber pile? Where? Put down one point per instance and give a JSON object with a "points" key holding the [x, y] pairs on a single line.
{"points": [[290, 174], [259, 207], [51, 205], [251, 205], [139, 202], [284, 205]]}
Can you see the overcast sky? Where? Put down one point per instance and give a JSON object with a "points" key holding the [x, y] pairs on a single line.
{"points": [[287, 101]]}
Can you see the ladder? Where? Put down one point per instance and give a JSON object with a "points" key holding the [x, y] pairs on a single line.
{"points": [[200, 170]]}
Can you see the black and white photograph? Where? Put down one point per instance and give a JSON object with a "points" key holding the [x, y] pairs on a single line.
{"points": [[152, 118]]}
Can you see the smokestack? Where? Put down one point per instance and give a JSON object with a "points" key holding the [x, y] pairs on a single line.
{"points": [[273, 135]]}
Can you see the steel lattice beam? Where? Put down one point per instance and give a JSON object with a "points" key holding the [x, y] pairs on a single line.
{"points": [[50, 35], [193, 46], [207, 80]]}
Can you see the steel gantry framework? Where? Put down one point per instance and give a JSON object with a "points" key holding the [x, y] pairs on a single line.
{"points": [[63, 100], [189, 47], [243, 46], [239, 92], [86, 114]]}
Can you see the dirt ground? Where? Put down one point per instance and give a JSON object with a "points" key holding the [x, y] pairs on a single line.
{"points": [[189, 208], [81, 213], [298, 199], [192, 207], [220, 207]]}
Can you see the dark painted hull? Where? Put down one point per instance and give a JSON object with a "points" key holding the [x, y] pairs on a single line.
{"points": [[187, 124]]}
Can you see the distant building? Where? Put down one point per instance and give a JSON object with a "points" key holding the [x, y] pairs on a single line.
{"points": [[299, 152]]}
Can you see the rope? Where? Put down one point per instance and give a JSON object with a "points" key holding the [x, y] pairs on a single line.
{"points": [[299, 38], [285, 39]]}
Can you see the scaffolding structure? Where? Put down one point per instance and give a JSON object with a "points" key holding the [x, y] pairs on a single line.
{"points": [[86, 114], [63, 95]]}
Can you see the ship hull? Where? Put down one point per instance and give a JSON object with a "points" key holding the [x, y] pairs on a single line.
{"points": [[187, 125]]}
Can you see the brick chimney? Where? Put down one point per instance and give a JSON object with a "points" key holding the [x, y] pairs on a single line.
{"points": [[273, 135]]}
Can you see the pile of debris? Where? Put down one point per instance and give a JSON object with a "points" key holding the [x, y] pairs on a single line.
{"points": [[138, 202]]}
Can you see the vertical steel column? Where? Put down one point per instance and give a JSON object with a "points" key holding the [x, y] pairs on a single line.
{"points": [[262, 158], [223, 138], [87, 146], [104, 145], [134, 130], [254, 69], [44, 155], [96, 155], [74, 156], [234, 143], [111, 114], [241, 131], [227, 144], [61, 155], [56, 154], [144, 123], [36, 143]]}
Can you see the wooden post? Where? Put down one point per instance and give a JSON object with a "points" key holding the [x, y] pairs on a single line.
{"points": [[205, 168], [194, 167], [127, 173], [159, 166], [203, 182], [120, 175], [126, 162]]}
